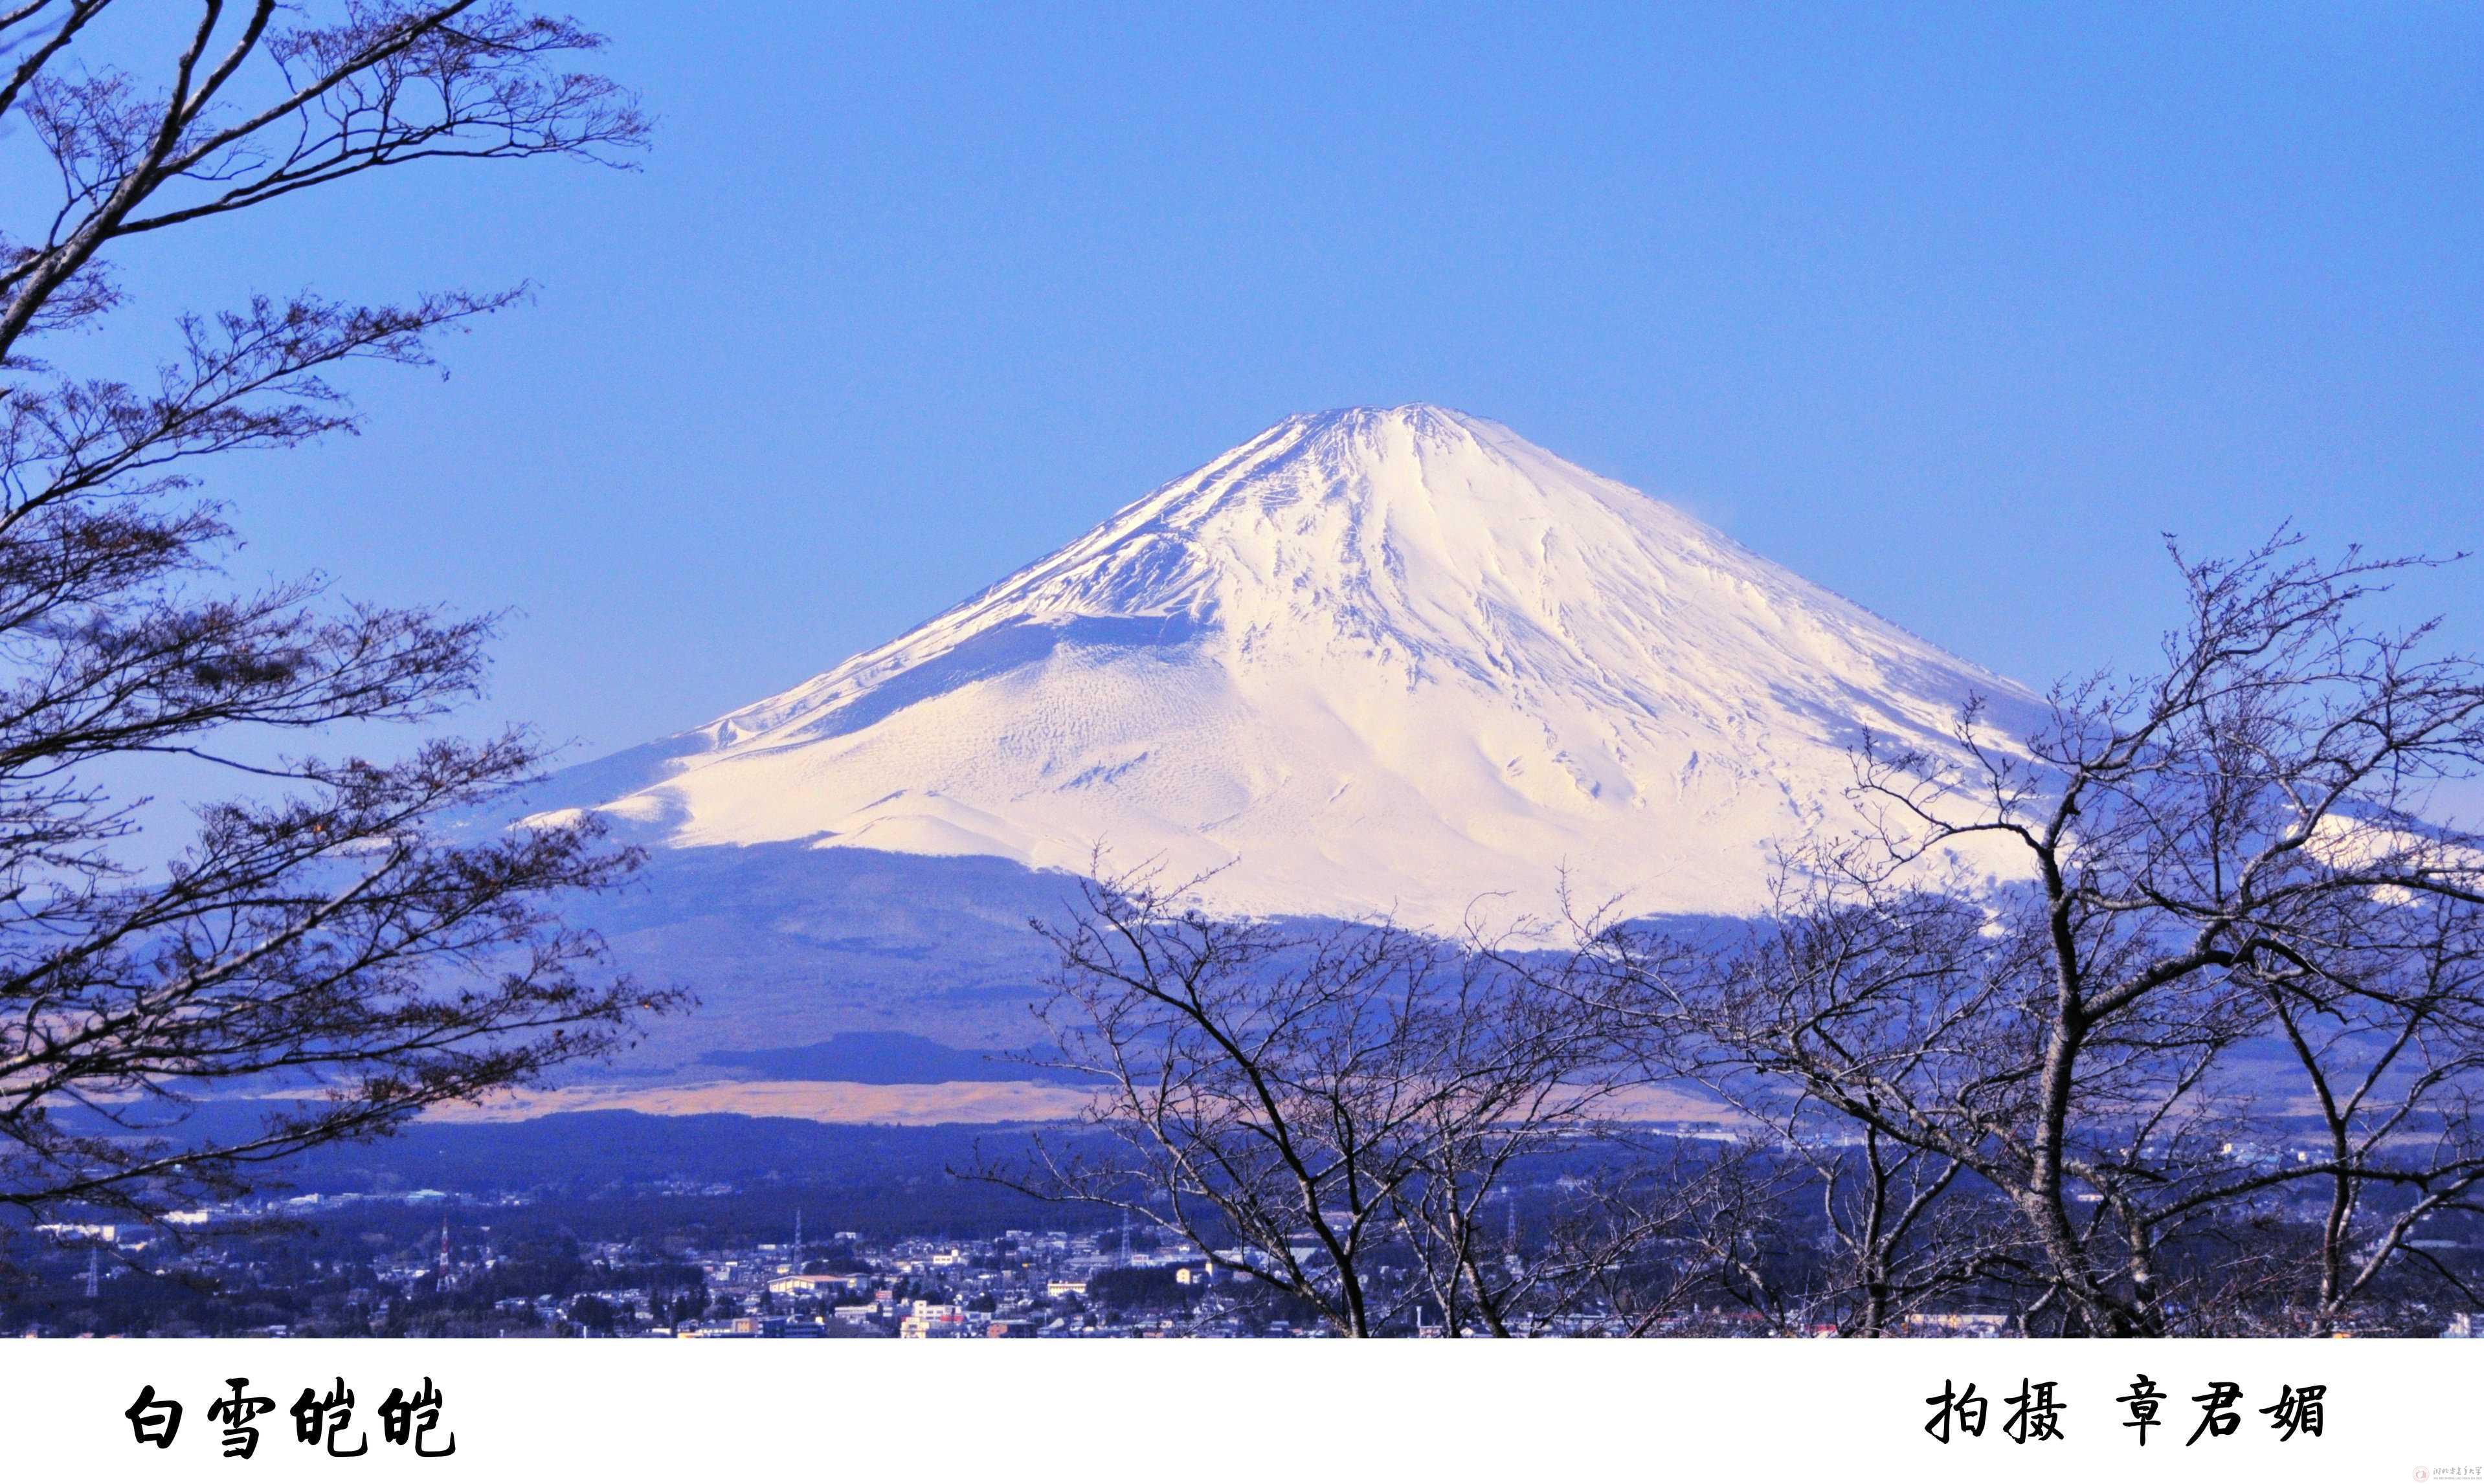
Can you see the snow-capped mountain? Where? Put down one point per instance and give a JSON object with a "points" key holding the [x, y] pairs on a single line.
{"points": [[1371, 661]]}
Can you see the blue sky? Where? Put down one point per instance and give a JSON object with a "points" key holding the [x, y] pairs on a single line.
{"points": [[1952, 309]]}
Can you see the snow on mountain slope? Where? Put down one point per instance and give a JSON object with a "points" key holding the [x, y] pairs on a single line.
{"points": [[1370, 660]]}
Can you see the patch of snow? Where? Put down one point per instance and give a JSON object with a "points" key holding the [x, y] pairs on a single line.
{"points": [[1370, 660]]}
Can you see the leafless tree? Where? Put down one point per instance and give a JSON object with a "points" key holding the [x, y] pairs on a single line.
{"points": [[1666, 1235], [2387, 1033], [1307, 1101], [2229, 866], [1894, 1229], [1892, 1225], [323, 937], [1510, 1078]]}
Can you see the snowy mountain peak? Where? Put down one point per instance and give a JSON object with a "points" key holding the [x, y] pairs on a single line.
{"points": [[1371, 660]]}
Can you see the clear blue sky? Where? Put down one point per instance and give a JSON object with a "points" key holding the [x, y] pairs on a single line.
{"points": [[1953, 311]]}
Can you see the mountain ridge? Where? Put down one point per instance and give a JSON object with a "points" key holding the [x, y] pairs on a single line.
{"points": [[1369, 660]]}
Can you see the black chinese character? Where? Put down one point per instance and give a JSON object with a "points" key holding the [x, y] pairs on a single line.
{"points": [[235, 1412], [2297, 1411], [2218, 1418], [1969, 1409], [157, 1421], [2143, 1399], [318, 1418], [403, 1417], [2033, 1415]]}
